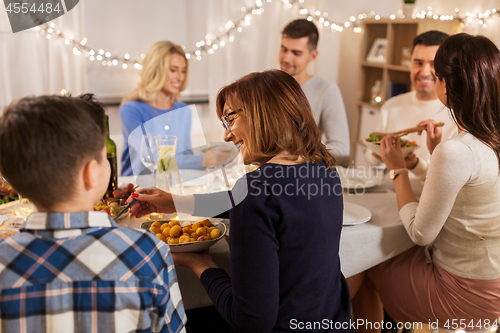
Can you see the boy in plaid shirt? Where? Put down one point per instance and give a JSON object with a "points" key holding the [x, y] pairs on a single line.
{"points": [[72, 269]]}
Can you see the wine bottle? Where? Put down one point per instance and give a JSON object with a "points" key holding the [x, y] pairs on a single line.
{"points": [[111, 147]]}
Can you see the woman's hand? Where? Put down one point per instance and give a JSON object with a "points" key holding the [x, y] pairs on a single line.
{"points": [[433, 134], [151, 200], [197, 262], [391, 153], [411, 161]]}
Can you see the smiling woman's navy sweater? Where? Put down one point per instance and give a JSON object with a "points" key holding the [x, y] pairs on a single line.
{"points": [[285, 268]]}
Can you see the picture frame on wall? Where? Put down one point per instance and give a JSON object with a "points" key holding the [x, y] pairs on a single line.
{"points": [[378, 51]]}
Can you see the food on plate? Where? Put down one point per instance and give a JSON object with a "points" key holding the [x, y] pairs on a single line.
{"points": [[173, 233], [7, 193], [115, 204], [404, 143], [125, 192]]}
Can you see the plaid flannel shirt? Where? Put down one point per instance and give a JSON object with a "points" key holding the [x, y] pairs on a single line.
{"points": [[80, 272]]}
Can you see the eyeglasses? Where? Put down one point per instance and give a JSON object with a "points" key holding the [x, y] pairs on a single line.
{"points": [[227, 123]]}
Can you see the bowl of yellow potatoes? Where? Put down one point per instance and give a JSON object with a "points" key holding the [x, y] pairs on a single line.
{"points": [[187, 236]]}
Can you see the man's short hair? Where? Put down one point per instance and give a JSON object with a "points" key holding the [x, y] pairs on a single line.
{"points": [[302, 28], [429, 38], [44, 143]]}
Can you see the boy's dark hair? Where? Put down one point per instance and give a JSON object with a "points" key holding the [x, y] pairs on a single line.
{"points": [[45, 141], [302, 28], [429, 38]]}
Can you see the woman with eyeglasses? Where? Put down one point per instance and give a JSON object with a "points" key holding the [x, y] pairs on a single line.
{"points": [[286, 216]]}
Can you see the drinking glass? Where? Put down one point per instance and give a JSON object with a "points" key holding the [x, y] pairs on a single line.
{"points": [[149, 154], [169, 177]]}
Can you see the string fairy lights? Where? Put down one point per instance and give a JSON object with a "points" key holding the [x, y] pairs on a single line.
{"points": [[211, 43]]}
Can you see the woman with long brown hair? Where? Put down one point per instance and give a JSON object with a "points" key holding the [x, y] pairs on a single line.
{"points": [[286, 216], [452, 278]]}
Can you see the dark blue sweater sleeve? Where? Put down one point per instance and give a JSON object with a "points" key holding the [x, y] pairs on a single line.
{"points": [[249, 300]]}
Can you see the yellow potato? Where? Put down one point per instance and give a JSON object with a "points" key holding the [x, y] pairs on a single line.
{"points": [[155, 229], [196, 225], [163, 226], [156, 224], [184, 239], [166, 231], [201, 231], [214, 234], [175, 222], [173, 240], [176, 230], [205, 222], [160, 236], [202, 238]]}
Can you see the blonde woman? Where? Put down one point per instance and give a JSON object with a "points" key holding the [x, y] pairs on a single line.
{"points": [[162, 78]]}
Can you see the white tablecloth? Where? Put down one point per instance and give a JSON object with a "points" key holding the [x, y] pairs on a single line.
{"points": [[383, 237]]}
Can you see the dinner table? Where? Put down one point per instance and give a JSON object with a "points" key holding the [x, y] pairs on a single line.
{"points": [[362, 245], [367, 242]]}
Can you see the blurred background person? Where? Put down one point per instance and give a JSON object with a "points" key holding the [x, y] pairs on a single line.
{"points": [[454, 271], [298, 48], [162, 78]]}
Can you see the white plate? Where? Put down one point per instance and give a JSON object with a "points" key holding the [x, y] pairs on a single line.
{"points": [[355, 214]]}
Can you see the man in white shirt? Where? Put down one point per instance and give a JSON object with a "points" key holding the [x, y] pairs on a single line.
{"points": [[409, 109], [298, 48]]}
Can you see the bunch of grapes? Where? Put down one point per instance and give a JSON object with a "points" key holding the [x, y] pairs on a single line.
{"points": [[125, 192]]}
